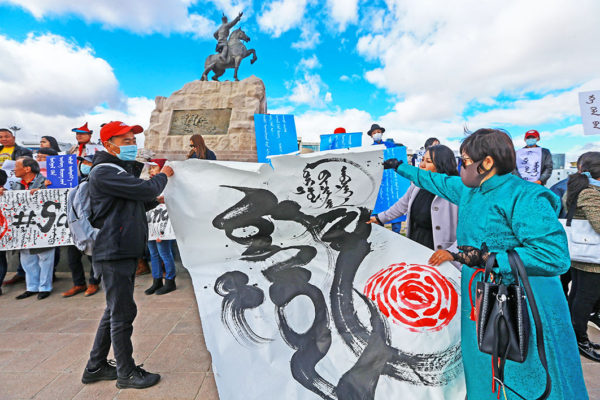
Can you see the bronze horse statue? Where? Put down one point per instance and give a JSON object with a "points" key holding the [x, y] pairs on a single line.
{"points": [[237, 51]]}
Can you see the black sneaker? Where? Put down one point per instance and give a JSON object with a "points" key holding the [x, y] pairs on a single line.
{"points": [[43, 295], [587, 351], [594, 321], [138, 379], [107, 372]]}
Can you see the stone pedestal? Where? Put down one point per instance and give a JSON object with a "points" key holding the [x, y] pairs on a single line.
{"points": [[222, 112]]}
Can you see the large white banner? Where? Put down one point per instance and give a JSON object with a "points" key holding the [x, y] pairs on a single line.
{"points": [[299, 298]]}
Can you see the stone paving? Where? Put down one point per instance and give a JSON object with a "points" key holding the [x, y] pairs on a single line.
{"points": [[44, 346]]}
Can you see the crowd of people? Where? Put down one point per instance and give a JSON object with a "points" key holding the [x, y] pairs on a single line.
{"points": [[489, 200]]}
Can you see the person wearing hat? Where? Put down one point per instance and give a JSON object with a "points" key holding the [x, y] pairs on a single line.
{"points": [[376, 132], [339, 130], [74, 254], [119, 200], [534, 163], [83, 135]]}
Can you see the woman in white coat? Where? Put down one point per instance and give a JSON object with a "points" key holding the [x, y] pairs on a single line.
{"points": [[430, 220]]}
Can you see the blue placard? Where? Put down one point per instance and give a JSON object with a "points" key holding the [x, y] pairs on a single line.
{"points": [[275, 135], [393, 186], [62, 171], [340, 141]]}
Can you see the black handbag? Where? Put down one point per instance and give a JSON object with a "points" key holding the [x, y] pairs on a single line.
{"points": [[503, 326]]}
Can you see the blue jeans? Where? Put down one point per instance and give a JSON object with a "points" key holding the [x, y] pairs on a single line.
{"points": [[39, 267], [162, 250]]}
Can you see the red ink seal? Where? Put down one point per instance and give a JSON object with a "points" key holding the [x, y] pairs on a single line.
{"points": [[416, 296]]}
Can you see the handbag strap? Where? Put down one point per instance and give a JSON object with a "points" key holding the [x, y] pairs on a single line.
{"points": [[489, 265], [516, 261]]}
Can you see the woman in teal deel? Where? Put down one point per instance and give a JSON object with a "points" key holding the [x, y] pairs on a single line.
{"points": [[504, 212]]}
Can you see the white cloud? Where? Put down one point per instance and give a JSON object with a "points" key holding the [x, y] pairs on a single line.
{"points": [[343, 12], [309, 91], [440, 59], [140, 16], [232, 8], [312, 124], [311, 62], [281, 15], [353, 78], [50, 86], [48, 75], [309, 37]]}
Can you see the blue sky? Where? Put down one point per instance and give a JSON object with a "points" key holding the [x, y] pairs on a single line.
{"points": [[419, 68]]}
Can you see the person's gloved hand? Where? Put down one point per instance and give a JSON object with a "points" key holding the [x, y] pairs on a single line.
{"points": [[472, 256], [392, 163]]}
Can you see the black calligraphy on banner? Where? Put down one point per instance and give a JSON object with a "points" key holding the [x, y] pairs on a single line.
{"points": [[34, 220], [589, 103], [341, 227]]}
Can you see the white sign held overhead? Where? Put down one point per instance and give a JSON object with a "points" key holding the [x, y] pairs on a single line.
{"points": [[589, 102]]}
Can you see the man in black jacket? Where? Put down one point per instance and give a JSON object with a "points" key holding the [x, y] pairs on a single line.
{"points": [[534, 163], [119, 201], [9, 150]]}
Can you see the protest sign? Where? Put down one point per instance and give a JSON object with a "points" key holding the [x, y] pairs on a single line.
{"points": [[529, 163], [299, 298], [340, 141], [62, 171], [159, 224], [589, 102], [275, 135], [34, 220], [393, 186]]}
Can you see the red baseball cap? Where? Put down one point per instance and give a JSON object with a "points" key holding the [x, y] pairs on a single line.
{"points": [[339, 130], [532, 134], [118, 128]]}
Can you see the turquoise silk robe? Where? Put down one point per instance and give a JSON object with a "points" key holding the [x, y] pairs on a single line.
{"points": [[506, 212]]}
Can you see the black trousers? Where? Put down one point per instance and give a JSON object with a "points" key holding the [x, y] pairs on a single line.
{"points": [[583, 298], [116, 325], [76, 267]]}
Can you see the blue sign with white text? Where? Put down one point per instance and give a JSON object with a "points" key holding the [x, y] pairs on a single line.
{"points": [[340, 141], [275, 135], [62, 171], [393, 186]]}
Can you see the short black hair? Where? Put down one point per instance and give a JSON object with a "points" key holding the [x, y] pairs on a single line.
{"points": [[48, 151], [31, 163], [587, 156], [444, 159], [7, 130], [495, 143], [429, 142]]}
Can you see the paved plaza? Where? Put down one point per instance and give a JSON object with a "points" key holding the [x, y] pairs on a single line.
{"points": [[44, 346]]}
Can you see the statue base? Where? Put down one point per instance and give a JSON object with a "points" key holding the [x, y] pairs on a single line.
{"points": [[222, 112]]}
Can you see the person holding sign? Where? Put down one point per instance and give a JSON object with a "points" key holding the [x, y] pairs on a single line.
{"points": [[534, 164], [376, 133], [37, 263], [119, 200]]}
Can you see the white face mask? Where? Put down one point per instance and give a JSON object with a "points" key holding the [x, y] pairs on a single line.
{"points": [[377, 137]]}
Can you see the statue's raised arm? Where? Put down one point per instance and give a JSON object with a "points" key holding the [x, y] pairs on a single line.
{"points": [[236, 20]]}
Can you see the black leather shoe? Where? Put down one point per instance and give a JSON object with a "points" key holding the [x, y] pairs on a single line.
{"points": [[586, 350], [25, 295], [43, 295], [168, 287], [594, 321], [156, 284], [107, 372], [138, 379]]}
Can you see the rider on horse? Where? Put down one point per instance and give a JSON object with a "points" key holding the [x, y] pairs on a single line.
{"points": [[222, 34]]}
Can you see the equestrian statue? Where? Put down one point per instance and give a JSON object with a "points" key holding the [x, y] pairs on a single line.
{"points": [[230, 50]]}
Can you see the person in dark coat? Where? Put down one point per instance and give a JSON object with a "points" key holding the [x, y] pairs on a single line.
{"points": [[119, 200], [199, 149], [534, 163], [9, 150]]}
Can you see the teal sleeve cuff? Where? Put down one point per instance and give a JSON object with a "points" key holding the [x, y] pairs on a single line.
{"points": [[407, 171]]}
